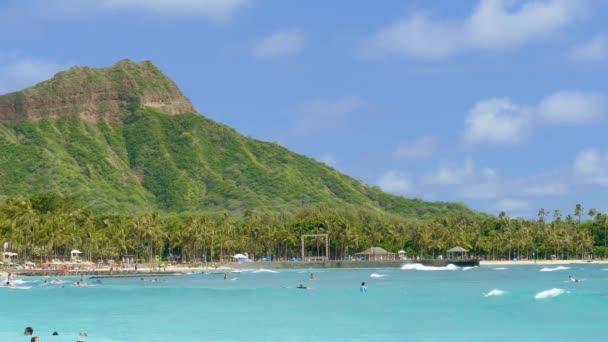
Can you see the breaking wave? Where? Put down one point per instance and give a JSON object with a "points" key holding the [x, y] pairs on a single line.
{"points": [[494, 293], [421, 267], [500, 268], [553, 269], [376, 275], [264, 270], [554, 292]]}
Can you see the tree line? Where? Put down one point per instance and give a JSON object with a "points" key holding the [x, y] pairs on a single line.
{"points": [[47, 226]]}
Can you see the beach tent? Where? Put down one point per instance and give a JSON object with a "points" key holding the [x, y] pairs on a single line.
{"points": [[9, 257], [457, 253], [240, 257], [377, 253], [402, 254], [75, 254]]}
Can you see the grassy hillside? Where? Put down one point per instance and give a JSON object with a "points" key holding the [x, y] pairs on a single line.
{"points": [[175, 163], [139, 159]]}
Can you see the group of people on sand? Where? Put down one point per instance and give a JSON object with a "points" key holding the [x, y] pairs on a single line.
{"points": [[29, 331]]}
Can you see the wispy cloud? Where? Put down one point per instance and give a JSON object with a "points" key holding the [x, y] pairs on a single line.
{"points": [[328, 159], [279, 44], [497, 121], [450, 174], [318, 116], [501, 121], [493, 25], [593, 50], [419, 149], [395, 182], [512, 205], [216, 10], [573, 107], [591, 167], [18, 73]]}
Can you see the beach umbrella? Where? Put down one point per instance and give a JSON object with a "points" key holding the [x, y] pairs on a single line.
{"points": [[240, 256]]}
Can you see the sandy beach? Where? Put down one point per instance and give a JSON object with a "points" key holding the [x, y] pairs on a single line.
{"points": [[540, 262]]}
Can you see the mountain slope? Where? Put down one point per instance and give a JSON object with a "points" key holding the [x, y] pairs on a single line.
{"points": [[104, 136]]}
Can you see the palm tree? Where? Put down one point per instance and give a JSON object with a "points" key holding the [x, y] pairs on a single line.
{"points": [[578, 212], [23, 217], [557, 215]]}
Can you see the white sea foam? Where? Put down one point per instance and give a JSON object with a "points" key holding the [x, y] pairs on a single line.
{"points": [[376, 275], [420, 267], [264, 270], [494, 292], [500, 268], [554, 292], [553, 269], [468, 268]]}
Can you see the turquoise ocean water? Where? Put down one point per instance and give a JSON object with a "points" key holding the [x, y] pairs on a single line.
{"points": [[259, 305]]}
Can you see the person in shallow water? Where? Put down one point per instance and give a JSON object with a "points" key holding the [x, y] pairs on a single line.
{"points": [[81, 336], [301, 286], [362, 289], [10, 281], [225, 276], [572, 279], [35, 339], [29, 331], [311, 277]]}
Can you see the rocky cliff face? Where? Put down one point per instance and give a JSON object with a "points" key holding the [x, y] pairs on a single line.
{"points": [[96, 93]]}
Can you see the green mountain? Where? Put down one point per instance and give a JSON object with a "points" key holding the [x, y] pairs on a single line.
{"points": [[125, 139]]}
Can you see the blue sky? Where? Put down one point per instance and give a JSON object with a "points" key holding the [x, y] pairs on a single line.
{"points": [[502, 105]]}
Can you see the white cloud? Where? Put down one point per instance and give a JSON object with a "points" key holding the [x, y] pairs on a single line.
{"points": [[497, 121], [395, 183], [510, 205], [463, 180], [591, 167], [419, 149], [328, 159], [17, 74], [488, 172], [493, 25], [217, 10], [594, 50], [323, 114], [501, 121], [280, 43], [450, 174], [573, 107], [542, 190]]}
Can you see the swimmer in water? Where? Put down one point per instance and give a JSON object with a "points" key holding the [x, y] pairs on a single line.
{"points": [[363, 289], [81, 336], [301, 286], [572, 279], [10, 281]]}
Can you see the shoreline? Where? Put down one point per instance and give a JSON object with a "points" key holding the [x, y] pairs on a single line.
{"points": [[541, 262], [221, 268]]}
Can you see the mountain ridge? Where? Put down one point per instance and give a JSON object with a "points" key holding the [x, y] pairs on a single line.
{"points": [[94, 93], [130, 156]]}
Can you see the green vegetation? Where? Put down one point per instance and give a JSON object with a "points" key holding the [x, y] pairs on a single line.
{"points": [[87, 156], [177, 163], [48, 225]]}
